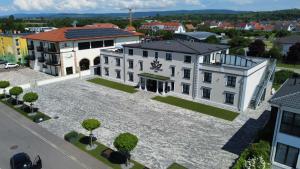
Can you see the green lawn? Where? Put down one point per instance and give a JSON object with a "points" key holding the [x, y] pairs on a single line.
{"points": [[176, 166], [97, 154], [114, 85], [289, 66], [276, 86], [198, 107], [39, 114]]}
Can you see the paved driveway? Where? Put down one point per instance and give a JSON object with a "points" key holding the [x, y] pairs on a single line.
{"points": [[166, 133], [23, 75]]}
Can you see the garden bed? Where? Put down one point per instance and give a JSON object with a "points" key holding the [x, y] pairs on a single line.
{"points": [[101, 153], [198, 107], [24, 110], [114, 85], [176, 166]]}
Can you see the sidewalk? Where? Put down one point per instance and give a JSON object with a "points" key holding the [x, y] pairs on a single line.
{"points": [[81, 158]]}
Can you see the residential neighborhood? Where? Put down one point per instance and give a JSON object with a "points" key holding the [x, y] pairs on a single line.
{"points": [[148, 85]]}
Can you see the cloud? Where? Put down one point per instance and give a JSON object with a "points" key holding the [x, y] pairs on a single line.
{"points": [[85, 5]]}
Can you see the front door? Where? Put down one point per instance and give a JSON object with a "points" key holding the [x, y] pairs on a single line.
{"points": [[151, 85]]}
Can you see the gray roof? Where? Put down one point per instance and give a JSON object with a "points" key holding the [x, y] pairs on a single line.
{"points": [[288, 95], [179, 46], [200, 35], [289, 39]]}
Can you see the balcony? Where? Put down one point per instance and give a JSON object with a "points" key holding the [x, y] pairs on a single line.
{"points": [[53, 62], [51, 50], [40, 49], [30, 47], [31, 57], [41, 59]]}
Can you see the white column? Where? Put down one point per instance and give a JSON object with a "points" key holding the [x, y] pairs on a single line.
{"points": [[163, 93], [140, 84], [145, 84], [157, 83]]}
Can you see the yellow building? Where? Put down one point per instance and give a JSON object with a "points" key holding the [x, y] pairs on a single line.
{"points": [[13, 47]]}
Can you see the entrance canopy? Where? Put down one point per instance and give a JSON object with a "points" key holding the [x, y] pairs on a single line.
{"points": [[153, 76]]}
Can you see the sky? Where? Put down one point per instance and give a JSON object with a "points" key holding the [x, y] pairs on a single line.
{"points": [[112, 6]]}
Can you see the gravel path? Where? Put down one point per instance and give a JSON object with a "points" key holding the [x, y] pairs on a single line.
{"points": [[166, 133]]}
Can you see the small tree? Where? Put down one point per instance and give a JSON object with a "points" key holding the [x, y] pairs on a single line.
{"points": [[239, 42], [4, 85], [274, 52], [293, 56], [90, 125], [212, 39], [257, 48], [30, 98], [125, 143], [16, 91]]}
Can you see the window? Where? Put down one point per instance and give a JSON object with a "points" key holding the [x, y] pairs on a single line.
{"points": [[206, 93], [17, 42], [106, 60], [130, 64], [84, 45], [118, 62], [18, 51], [130, 76], [97, 44], [118, 73], [106, 71], [168, 56], [141, 66], [69, 70], [130, 51], [229, 98], [156, 55], [207, 77], [186, 89], [145, 53], [290, 123], [231, 81], [206, 59], [186, 73], [187, 59], [286, 155], [173, 71], [108, 43], [172, 86]]}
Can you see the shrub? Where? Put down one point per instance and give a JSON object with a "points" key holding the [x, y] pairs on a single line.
{"points": [[256, 163], [282, 75], [16, 91], [37, 118], [125, 143], [71, 137]]}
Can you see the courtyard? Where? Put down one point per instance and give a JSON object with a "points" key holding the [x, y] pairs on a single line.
{"points": [[166, 133]]}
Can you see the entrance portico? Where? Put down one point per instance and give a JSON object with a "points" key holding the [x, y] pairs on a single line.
{"points": [[154, 83]]}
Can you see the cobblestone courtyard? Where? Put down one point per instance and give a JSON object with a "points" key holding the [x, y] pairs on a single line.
{"points": [[166, 133]]}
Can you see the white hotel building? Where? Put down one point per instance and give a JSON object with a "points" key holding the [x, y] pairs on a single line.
{"points": [[286, 140], [203, 72], [66, 51]]}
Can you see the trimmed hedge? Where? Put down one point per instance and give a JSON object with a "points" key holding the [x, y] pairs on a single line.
{"points": [[71, 137]]}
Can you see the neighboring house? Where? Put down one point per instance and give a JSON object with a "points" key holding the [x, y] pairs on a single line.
{"points": [[199, 71], [175, 27], [190, 27], [67, 51], [244, 26], [103, 25], [39, 29], [195, 36], [286, 42], [13, 45], [286, 141]]}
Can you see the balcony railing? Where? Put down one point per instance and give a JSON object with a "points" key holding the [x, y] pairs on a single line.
{"points": [[53, 62], [51, 50], [40, 48], [30, 47], [41, 59]]}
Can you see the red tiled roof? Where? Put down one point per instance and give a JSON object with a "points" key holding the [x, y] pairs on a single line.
{"points": [[58, 35]]}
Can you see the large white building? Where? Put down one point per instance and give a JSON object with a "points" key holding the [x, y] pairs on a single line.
{"points": [[286, 141], [203, 72], [67, 51]]}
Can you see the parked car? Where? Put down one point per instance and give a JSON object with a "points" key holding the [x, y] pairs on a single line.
{"points": [[2, 62], [11, 65], [22, 161]]}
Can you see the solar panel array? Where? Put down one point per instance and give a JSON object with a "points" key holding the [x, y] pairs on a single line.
{"points": [[85, 33]]}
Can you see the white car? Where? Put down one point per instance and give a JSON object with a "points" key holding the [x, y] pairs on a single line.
{"points": [[11, 65]]}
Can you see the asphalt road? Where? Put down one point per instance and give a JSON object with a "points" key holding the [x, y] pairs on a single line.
{"points": [[17, 135]]}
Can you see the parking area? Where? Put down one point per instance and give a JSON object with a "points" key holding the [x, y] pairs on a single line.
{"points": [[166, 133], [22, 75]]}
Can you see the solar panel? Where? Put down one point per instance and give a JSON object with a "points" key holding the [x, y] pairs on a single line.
{"points": [[85, 33]]}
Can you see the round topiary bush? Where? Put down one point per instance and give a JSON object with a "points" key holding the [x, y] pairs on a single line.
{"points": [[90, 125], [4, 85], [16, 91], [30, 98], [125, 143], [71, 137]]}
